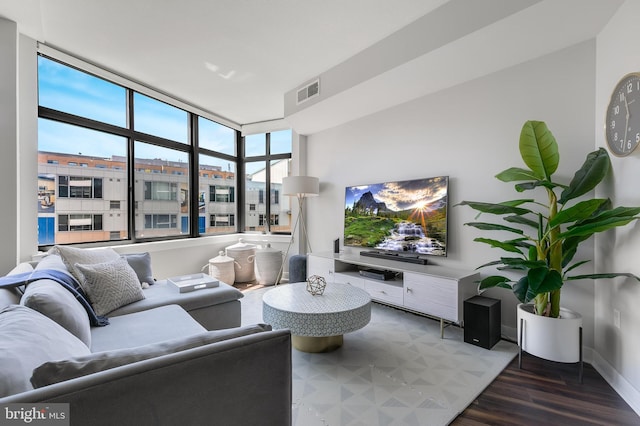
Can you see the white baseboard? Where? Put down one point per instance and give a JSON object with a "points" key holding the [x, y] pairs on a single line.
{"points": [[619, 384], [630, 394]]}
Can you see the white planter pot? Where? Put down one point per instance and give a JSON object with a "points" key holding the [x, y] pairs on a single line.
{"points": [[553, 339]]}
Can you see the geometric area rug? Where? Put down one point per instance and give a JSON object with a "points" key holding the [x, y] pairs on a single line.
{"points": [[394, 371]]}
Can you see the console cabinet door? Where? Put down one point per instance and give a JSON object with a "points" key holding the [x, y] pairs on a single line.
{"points": [[349, 279], [320, 266], [384, 291], [436, 296]]}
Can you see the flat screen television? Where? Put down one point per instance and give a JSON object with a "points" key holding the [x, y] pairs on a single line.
{"points": [[408, 216]]}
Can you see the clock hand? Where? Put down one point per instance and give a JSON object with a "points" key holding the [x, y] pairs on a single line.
{"points": [[626, 124]]}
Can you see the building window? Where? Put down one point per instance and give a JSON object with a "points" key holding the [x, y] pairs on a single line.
{"points": [[160, 221], [79, 222], [221, 220], [114, 205], [160, 191], [221, 194], [252, 207], [79, 187]]}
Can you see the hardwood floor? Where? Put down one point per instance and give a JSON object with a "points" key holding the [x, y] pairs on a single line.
{"points": [[548, 393]]}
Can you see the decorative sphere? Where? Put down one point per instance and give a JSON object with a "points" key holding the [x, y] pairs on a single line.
{"points": [[316, 285]]}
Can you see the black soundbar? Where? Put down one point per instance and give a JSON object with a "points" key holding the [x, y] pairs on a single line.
{"points": [[400, 257]]}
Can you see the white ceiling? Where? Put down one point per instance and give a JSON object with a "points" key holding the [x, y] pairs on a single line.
{"points": [[239, 58]]}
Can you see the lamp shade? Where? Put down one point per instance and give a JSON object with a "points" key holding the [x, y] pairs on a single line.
{"points": [[300, 185]]}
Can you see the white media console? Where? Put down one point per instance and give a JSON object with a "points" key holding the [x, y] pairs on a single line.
{"points": [[430, 290]]}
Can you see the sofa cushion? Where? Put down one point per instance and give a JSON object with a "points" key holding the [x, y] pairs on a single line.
{"points": [[58, 371], [72, 256], [54, 301], [142, 328], [141, 263], [29, 339], [162, 293], [110, 285], [11, 296]]}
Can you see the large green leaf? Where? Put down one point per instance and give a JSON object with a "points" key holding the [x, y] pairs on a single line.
{"points": [[518, 263], [509, 246], [526, 186], [595, 227], [593, 170], [521, 290], [522, 221], [494, 281], [494, 227], [604, 275], [580, 211], [515, 174], [544, 280], [539, 149], [619, 212], [507, 207]]}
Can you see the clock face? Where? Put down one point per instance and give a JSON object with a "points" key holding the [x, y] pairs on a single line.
{"points": [[622, 127]]}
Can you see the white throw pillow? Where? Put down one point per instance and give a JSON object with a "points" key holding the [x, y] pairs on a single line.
{"points": [[110, 285]]}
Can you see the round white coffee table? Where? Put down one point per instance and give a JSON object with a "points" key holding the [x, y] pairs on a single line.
{"points": [[317, 323]]}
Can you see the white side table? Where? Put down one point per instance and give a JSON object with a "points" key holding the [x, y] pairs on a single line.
{"points": [[317, 323]]}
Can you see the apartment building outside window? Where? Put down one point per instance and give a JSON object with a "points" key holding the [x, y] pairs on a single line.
{"points": [[172, 173], [267, 161]]}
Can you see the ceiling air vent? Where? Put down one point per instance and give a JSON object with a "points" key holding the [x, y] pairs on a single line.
{"points": [[309, 91]]}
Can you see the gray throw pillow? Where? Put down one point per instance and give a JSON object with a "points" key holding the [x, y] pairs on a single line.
{"points": [[141, 263], [54, 301], [72, 256], [57, 371], [52, 261], [29, 339], [110, 285]]}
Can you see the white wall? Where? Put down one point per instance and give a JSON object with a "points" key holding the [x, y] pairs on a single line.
{"points": [[618, 250], [470, 133], [8, 142]]}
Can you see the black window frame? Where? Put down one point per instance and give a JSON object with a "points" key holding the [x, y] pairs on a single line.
{"points": [[191, 148]]}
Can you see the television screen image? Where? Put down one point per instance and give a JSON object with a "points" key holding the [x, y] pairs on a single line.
{"points": [[405, 216]]}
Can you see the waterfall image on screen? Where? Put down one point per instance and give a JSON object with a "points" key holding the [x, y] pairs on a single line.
{"points": [[404, 216]]}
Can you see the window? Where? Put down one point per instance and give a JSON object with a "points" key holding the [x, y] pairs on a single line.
{"points": [[159, 119], [264, 174], [160, 191], [221, 194], [79, 222], [160, 221], [221, 220], [252, 207], [79, 187], [89, 126]]}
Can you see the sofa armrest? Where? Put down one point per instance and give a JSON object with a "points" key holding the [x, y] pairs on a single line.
{"points": [[244, 381]]}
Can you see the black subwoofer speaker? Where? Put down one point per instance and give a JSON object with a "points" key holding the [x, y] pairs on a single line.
{"points": [[482, 319]]}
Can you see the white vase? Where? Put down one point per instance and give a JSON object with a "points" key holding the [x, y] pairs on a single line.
{"points": [[553, 339]]}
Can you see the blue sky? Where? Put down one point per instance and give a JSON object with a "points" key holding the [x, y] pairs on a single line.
{"points": [[67, 89]]}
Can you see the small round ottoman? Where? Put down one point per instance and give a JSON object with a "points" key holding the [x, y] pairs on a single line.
{"points": [[297, 268]]}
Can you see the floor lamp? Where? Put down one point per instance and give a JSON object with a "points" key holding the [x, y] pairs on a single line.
{"points": [[300, 187]]}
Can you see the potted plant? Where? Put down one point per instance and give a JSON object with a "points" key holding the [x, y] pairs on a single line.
{"points": [[546, 235]]}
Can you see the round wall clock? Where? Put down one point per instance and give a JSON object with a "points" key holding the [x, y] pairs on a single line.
{"points": [[622, 126]]}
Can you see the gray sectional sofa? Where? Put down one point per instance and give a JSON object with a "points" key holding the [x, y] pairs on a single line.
{"points": [[167, 358]]}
